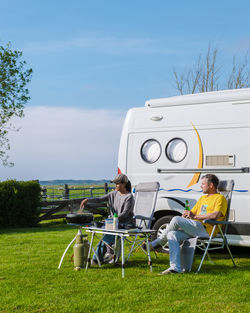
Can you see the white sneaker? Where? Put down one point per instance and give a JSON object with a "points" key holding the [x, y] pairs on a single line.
{"points": [[111, 261], [107, 257], [168, 271]]}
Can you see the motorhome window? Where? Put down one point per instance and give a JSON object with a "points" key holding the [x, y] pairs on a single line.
{"points": [[176, 150], [151, 151]]}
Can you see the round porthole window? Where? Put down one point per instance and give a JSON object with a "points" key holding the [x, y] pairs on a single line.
{"points": [[151, 151], [176, 150]]}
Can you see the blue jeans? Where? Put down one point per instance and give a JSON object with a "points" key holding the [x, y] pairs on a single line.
{"points": [[178, 230], [102, 248]]}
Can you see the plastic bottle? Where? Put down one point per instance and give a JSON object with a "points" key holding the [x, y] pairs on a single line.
{"points": [[187, 207], [109, 223], [115, 221]]}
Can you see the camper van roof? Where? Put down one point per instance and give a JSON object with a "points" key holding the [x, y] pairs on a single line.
{"points": [[234, 95]]}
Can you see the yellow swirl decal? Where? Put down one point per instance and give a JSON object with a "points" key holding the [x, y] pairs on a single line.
{"points": [[196, 176]]}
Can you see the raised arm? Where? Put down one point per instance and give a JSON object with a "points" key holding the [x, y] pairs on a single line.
{"points": [[94, 200]]}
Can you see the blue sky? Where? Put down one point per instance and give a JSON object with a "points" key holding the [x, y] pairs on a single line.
{"points": [[97, 59]]}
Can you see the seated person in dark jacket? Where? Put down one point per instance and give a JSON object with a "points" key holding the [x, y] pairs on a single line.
{"points": [[121, 201]]}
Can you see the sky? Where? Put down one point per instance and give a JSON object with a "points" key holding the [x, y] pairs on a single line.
{"points": [[94, 60]]}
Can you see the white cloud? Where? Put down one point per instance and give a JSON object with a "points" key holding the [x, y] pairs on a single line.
{"points": [[56, 142]]}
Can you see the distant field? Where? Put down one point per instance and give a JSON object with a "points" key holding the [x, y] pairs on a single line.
{"points": [[82, 182], [75, 191]]}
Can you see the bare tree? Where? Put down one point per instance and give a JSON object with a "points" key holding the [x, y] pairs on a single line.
{"points": [[207, 75], [240, 75]]}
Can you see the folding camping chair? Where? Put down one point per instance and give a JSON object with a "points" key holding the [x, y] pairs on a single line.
{"points": [[219, 241], [145, 200]]}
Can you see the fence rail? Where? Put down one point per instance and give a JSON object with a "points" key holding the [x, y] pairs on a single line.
{"points": [[66, 192], [68, 199]]}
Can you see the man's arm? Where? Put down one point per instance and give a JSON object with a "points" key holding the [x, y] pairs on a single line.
{"points": [[200, 217]]}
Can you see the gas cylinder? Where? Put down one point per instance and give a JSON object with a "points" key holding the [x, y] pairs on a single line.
{"points": [[81, 249]]}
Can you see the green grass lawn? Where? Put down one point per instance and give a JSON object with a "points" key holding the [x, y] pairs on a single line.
{"points": [[31, 282]]}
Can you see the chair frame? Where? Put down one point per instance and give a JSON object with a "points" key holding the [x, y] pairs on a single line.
{"points": [[204, 243], [144, 221]]}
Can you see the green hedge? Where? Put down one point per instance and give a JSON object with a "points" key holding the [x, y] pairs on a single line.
{"points": [[19, 203]]}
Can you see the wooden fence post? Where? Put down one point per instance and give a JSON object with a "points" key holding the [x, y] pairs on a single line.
{"points": [[66, 192], [91, 192], [44, 193], [106, 188]]}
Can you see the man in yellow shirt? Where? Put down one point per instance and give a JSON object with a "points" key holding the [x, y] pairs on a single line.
{"points": [[210, 206]]}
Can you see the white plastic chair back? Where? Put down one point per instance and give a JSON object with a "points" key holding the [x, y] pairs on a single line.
{"points": [[145, 200], [226, 187]]}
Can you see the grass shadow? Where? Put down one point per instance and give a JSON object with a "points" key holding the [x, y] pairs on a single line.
{"points": [[51, 226]]}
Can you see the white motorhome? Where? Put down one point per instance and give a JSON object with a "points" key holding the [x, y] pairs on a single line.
{"points": [[175, 140]]}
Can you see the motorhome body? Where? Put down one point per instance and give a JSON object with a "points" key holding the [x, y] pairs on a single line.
{"points": [[175, 140]]}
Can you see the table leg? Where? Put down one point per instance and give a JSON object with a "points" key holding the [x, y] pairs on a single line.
{"points": [[123, 263], [115, 249], [90, 247], [132, 248], [149, 256]]}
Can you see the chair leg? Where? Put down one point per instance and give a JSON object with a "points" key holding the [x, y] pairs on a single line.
{"points": [[229, 251], [209, 258], [132, 248], [204, 255], [95, 253], [145, 252], [208, 255], [149, 256], [156, 256], [227, 246], [89, 252], [206, 251]]}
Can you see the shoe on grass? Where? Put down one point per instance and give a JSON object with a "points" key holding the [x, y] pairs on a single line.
{"points": [[151, 248], [108, 257], [112, 261], [94, 263], [168, 271]]}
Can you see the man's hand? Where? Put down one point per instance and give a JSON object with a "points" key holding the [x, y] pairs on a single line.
{"points": [[188, 214]]}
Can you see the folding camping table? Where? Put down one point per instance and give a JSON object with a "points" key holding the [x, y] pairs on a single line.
{"points": [[123, 234]]}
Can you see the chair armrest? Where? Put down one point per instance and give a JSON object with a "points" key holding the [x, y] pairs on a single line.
{"points": [[214, 222], [142, 217]]}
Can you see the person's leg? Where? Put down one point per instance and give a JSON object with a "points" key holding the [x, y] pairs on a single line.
{"points": [[160, 241], [109, 240], [175, 238], [179, 230], [100, 251], [190, 227], [102, 248]]}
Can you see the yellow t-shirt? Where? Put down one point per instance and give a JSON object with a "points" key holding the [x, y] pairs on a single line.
{"points": [[209, 204]]}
